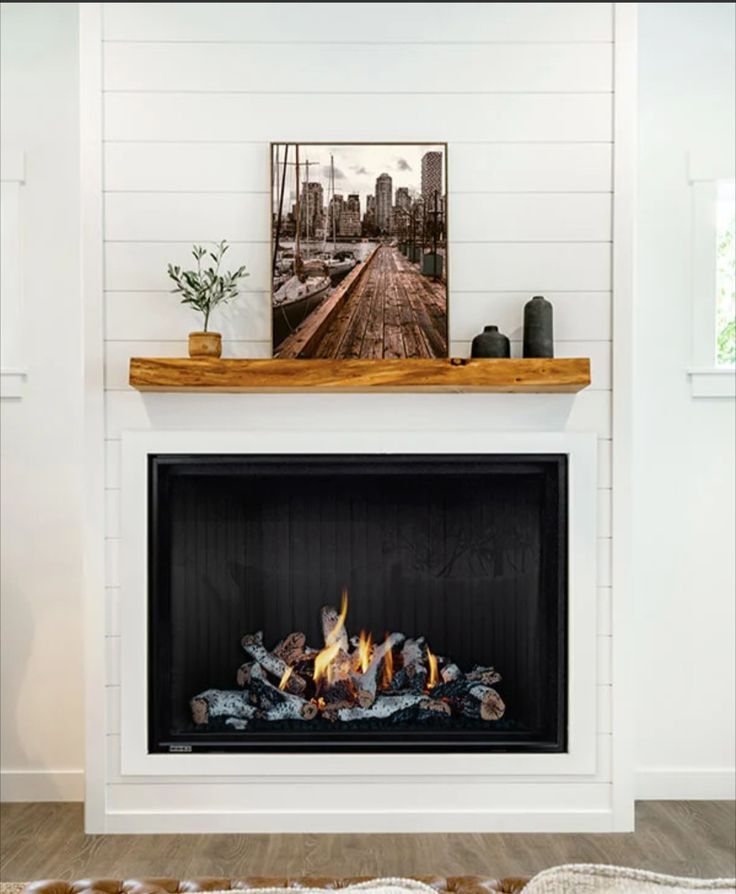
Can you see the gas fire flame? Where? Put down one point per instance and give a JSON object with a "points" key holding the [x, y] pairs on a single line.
{"points": [[323, 660], [433, 672], [323, 663], [365, 650], [285, 678]]}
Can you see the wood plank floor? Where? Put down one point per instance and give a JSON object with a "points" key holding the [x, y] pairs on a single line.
{"points": [[694, 838], [393, 311]]}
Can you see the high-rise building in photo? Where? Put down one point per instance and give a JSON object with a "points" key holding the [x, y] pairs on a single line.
{"points": [[334, 212], [384, 201], [431, 178], [403, 199], [312, 208]]}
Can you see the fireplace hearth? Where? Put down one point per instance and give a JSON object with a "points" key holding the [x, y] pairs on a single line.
{"points": [[348, 602]]}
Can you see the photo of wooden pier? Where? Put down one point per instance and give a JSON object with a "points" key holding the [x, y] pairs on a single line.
{"points": [[360, 272]]}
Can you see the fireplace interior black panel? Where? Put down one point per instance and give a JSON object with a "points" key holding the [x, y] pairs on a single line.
{"points": [[467, 551]]}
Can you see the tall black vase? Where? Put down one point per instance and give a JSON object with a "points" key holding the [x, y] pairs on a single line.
{"points": [[538, 334]]}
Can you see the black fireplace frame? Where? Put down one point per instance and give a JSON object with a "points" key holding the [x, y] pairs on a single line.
{"points": [[158, 656]]}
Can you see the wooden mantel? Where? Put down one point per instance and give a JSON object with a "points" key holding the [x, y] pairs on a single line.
{"points": [[560, 374]]}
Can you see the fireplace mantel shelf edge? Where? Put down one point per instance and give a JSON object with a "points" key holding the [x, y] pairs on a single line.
{"points": [[559, 374]]}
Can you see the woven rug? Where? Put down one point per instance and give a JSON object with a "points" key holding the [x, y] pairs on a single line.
{"points": [[590, 879]]}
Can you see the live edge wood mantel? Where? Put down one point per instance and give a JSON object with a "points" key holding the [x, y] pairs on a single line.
{"points": [[561, 374]]}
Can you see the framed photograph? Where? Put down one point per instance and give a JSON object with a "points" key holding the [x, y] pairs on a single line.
{"points": [[359, 250]]}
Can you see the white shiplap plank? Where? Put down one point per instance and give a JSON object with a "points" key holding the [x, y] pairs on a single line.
{"points": [[533, 117], [112, 609], [112, 563], [112, 647], [533, 268], [604, 710], [113, 711], [578, 316], [367, 22], [112, 507], [530, 267], [605, 462], [188, 217], [350, 68], [187, 167], [141, 266], [530, 167], [584, 412], [605, 618], [604, 559], [160, 316], [604, 501], [244, 167], [605, 667], [506, 217], [529, 217], [118, 354]]}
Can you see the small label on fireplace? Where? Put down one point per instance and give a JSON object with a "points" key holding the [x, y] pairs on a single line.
{"points": [[180, 749]]}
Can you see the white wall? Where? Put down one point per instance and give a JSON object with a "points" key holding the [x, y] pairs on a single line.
{"points": [[42, 637], [684, 458], [523, 93]]}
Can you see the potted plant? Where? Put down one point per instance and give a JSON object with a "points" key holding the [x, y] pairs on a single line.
{"points": [[204, 289]]}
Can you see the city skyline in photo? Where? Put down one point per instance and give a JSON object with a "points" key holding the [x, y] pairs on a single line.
{"points": [[357, 168]]}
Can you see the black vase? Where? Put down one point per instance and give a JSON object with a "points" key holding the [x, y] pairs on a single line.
{"points": [[490, 343], [538, 335]]}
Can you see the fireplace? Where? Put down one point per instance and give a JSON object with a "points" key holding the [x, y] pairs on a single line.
{"points": [[353, 602]]}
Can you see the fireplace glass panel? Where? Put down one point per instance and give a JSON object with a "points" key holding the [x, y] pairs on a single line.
{"points": [[459, 560]]}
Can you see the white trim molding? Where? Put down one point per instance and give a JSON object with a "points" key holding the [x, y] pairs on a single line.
{"points": [[41, 785], [713, 381], [91, 208], [625, 110], [12, 383], [706, 378], [12, 178]]}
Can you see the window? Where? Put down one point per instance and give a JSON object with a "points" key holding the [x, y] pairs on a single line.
{"points": [[725, 275], [713, 367]]}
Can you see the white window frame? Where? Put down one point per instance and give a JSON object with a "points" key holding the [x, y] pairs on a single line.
{"points": [[12, 178], [707, 379]]}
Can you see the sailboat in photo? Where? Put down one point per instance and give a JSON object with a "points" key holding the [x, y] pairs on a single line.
{"points": [[295, 296], [339, 263]]}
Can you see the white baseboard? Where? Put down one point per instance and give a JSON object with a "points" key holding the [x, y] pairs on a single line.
{"points": [[41, 785], [685, 784]]}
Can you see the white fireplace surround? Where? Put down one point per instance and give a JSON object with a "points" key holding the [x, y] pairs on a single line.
{"points": [[415, 782]]}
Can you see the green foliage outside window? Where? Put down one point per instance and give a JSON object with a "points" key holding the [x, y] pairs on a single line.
{"points": [[725, 280]]}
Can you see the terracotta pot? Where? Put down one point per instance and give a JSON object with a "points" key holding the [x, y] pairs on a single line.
{"points": [[205, 344]]}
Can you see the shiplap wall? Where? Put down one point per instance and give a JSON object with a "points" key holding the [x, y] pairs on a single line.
{"points": [[522, 93]]}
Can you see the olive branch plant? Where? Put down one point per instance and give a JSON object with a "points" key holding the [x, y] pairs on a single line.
{"points": [[205, 287]]}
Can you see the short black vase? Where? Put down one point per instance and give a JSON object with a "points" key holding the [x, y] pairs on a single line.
{"points": [[538, 334], [490, 343]]}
